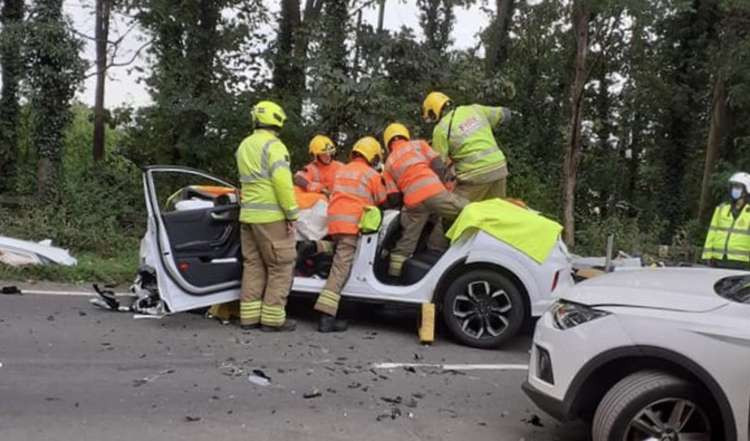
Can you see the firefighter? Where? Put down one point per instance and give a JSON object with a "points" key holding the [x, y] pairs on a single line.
{"points": [[357, 190], [317, 176], [463, 135], [267, 215], [728, 239], [418, 174]]}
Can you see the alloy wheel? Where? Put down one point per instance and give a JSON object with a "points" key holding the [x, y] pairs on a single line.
{"points": [[482, 310], [670, 419]]}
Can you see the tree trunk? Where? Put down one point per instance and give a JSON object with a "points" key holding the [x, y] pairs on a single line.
{"points": [[497, 47], [103, 8], [581, 16], [12, 70], [381, 15], [715, 133]]}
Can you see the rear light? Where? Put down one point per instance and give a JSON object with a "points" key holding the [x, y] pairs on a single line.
{"points": [[544, 365], [567, 315], [183, 266], [555, 280]]}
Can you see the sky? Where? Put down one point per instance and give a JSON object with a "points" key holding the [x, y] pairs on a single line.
{"points": [[123, 88]]}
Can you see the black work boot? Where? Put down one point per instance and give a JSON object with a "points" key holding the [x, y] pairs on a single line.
{"points": [[329, 323], [250, 327], [288, 326]]}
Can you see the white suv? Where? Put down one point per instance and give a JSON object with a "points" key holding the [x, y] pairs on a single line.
{"points": [[659, 354]]}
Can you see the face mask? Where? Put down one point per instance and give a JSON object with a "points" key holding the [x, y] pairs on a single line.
{"points": [[736, 193]]}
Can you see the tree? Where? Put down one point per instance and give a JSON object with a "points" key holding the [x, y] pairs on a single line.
{"points": [[103, 10], [497, 44], [572, 154], [55, 71], [290, 58], [11, 39]]}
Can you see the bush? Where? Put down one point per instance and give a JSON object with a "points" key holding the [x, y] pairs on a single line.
{"points": [[630, 236]]}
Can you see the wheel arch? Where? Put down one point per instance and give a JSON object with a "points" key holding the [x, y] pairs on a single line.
{"points": [[461, 267], [599, 374]]}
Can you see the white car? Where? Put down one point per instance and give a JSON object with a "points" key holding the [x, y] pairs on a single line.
{"points": [[656, 354], [191, 258]]}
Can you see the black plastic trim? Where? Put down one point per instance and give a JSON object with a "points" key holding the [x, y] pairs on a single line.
{"points": [[550, 405], [572, 401]]}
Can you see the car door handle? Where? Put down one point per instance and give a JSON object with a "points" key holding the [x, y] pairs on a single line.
{"points": [[227, 215]]}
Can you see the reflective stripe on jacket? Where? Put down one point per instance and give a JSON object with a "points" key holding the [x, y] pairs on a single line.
{"points": [[472, 146], [728, 237], [316, 176], [408, 165], [355, 186], [267, 193]]}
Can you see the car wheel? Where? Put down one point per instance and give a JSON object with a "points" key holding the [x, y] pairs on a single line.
{"points": [[483, 309], [652, 405]]}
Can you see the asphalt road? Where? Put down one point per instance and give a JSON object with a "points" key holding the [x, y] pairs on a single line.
{"points": [[73, 372]]}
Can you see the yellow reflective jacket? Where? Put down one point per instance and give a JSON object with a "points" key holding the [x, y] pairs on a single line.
{"points": [[464, 135], [728, 237], [523, 229], [267, 192]]}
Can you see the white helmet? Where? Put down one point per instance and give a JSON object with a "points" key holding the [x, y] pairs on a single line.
{"points": [[741, 178]]}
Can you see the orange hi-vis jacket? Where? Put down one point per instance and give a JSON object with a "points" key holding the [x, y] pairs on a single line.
{"points": [[355, 186], [408, 166], [316, 176]]}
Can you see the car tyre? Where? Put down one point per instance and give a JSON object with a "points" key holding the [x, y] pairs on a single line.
{"points": [[651, 405], [483, 299]]}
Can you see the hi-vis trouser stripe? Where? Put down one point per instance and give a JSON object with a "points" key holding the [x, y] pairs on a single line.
{"points": [[396, 264], [272, 315], [328, 302], [250, 312]]}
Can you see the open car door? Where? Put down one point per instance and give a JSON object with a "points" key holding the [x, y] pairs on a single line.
{"points": [[193, 238]]}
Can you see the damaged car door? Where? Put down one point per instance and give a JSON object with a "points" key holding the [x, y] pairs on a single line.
{"points": [[193, 239]]}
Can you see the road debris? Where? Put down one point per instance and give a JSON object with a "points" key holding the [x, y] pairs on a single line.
{"points": [[16, 252], [259, 378], [192, 419], [395, 400], [393, 414], [11, 290], [315, 393], [534, 420]]}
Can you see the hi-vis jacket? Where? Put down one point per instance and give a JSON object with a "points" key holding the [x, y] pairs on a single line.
{"points": [[728, 237], [356, 186], [267, 192], [465, 136], [316, 176], [408, 166]]}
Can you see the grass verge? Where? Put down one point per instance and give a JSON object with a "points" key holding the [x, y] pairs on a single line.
{"points": [[91, 268]]}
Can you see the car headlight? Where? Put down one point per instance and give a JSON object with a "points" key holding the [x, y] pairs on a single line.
{"points": [[567, 315]]}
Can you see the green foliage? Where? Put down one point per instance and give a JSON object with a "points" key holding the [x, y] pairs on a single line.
{"points": [[99, 207], [54, 53], [11, 39]]}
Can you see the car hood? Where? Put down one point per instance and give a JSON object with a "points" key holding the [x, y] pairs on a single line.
{"points": [[682, 289]]}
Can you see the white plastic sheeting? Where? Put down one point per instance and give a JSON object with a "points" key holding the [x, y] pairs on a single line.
{"points": [[16, 252], [312, 223]]}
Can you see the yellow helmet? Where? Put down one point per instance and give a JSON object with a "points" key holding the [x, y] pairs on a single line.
{"points": [[268, 114], [393, 130], [321, 144], [369, 148], [433, 105]]}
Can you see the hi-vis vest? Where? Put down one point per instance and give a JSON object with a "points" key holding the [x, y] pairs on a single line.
{"points": [[521, 228], [728, 237], [318, 176], [465, 136], [408, 166], [355, 187], [267, 193]]}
